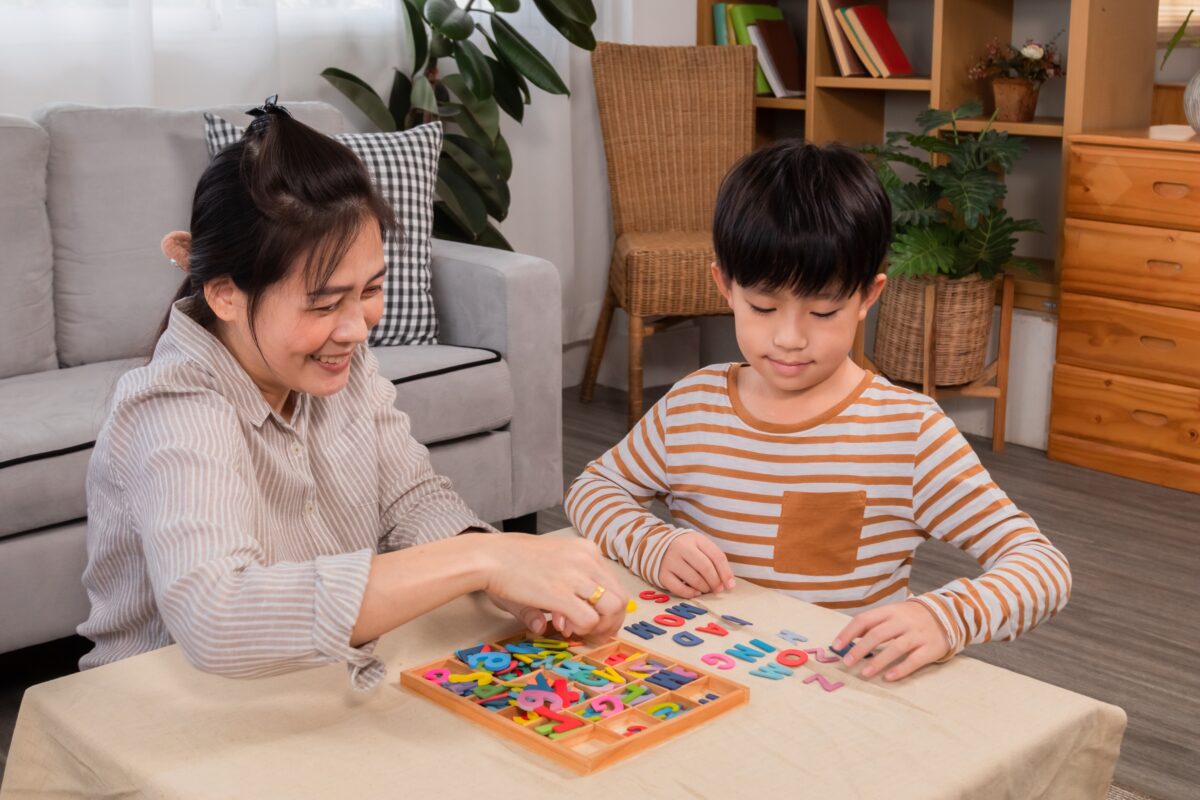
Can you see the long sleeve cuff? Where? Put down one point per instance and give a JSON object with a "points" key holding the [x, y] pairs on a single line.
{"points": [[940, 608], [340, 586], [649, 553]]}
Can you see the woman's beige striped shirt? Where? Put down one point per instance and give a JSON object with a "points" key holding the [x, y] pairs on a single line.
{"points": [[830, 510], [246, 539]]}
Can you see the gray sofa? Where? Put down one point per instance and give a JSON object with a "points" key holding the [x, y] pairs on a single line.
{"points": [[85, 196]]}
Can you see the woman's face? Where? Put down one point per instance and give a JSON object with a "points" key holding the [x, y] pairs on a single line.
{"points": [[304, 341]]}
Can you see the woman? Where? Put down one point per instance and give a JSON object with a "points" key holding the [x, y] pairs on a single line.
{"points": [[255, 496]]}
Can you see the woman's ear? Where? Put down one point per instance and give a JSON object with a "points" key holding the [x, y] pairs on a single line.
{"points": [[224, 298], [177, 246]]}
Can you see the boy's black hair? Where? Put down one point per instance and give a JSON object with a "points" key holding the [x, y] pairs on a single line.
{"points": [[797, 217]]}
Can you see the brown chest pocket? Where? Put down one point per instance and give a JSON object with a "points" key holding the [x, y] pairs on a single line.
{"points": [[819, 532]]}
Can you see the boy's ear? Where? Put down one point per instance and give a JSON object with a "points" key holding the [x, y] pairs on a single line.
{"points": [[872, 295], [224, 298], [722, 284]]}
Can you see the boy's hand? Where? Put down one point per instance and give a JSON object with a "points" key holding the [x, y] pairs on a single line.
{"points": [[693, 566], [909, 631]]}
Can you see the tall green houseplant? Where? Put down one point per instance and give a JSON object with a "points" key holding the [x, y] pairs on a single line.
{"points": [[949, 230], [475, 164]]}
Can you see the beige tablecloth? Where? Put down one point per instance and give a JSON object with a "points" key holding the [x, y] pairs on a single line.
{"points": [[152, 726]]}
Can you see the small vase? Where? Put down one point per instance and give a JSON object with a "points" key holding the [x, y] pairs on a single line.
{"points": [[1016, 99], [1191, 102]]}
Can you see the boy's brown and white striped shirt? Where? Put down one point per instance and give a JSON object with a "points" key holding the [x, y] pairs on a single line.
{"points": [[829, 510], [246, 538]]}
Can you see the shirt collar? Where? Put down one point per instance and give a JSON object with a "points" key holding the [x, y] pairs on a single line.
{"points": [[194, 342]]}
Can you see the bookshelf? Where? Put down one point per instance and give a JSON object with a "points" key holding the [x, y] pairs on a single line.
{"points": [[1109, 51]]}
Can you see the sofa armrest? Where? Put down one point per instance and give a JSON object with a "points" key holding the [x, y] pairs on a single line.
{"points": [[511, 303]]}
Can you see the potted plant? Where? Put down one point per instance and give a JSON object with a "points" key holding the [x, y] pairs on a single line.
{"points": [[1016, 74], [1191, 94], [949, 229], [475, 164]]}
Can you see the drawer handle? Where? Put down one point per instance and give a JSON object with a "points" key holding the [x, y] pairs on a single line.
{"points": [[1155, 343], [1150, 418], [1163, 267], [1171, 190]]}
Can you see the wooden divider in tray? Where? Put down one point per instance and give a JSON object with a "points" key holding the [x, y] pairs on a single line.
{"points": [[598, 741]]}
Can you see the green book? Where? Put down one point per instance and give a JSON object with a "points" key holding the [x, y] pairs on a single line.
{"points": [[743, 15]]}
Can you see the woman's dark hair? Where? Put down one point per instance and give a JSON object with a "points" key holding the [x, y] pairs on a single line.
{"points": [[797, 217], [282, 192]]}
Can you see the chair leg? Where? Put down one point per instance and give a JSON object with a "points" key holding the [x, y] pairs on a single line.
{"points": [[637, 335], [599, 340], [1001, 409]]}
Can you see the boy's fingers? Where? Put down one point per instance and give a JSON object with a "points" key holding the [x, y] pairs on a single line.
{"points": [[855, 628], [884, 631], [674, 585], [916, 659], [720, 563], [895, 650], [699, 561], [686, 573]]}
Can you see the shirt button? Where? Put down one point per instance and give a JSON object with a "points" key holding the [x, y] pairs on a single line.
{"points": [[309, 508], [296, 449]]}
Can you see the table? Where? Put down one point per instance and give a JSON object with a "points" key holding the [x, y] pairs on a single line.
{"points": [[153, 726]]}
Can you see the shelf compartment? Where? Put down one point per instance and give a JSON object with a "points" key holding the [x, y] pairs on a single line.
{"points": [[788, 103]]}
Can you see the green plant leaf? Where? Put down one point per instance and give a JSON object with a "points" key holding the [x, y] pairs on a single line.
{"points": [[997, 147], [483, 171], [920, 252], [422, 95], [518, 52], [899, 156], [446, 225], [362, 95], [462, 199], [972, 194], [400, 99], [932, 118], [1175, 37], [500, 59], [990, 244], [491, 237], [581, 11], [483, 111], [503, 156], [506, 89], [448, 19], [576, 32], [506, 6], [916, 204], [934, 144], [440, 46], [474, 68], [418, 37]]}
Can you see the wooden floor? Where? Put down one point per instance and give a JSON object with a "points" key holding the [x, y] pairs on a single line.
{"points": [[1128, 636]]}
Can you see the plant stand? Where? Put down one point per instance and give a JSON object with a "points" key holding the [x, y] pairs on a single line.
{"points": [[991, 383]]}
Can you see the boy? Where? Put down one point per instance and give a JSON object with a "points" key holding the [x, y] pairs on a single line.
{"points": [[801, 471]]}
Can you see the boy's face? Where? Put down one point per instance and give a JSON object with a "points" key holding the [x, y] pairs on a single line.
{"points": [[795, 343]]}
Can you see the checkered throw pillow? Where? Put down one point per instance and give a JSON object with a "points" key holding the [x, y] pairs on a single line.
{"points": [[403, 165]]}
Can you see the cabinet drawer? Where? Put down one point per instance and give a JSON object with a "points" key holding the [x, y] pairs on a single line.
{"points": [[1130, 338], [1140, 186], [1142, 415], [1150, 265]]}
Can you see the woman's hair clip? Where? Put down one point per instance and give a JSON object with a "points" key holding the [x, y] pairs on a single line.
{"points": [[263, 112]]}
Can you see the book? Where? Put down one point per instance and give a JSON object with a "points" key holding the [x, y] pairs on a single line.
{"points": [[720, 23], [779, 56], [856, 41], [848, 63], [742, 15], [877, 38]]}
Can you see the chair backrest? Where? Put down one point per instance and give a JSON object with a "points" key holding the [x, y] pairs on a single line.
{"points": [[674, 120]]}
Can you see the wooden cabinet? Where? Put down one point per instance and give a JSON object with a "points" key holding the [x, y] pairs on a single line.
{"points": [[1126, 395]]}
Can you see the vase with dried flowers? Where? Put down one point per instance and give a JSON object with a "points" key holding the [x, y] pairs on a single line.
{"points": [[1016, 75]]}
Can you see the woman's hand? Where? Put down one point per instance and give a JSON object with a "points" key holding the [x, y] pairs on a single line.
{"points": [[528, 576], [907, 630], [693, 565]]}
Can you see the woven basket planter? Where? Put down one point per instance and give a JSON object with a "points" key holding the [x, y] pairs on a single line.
{"points": [[962, 324]]}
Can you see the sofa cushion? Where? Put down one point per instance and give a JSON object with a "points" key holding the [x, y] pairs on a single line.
{"points": [[118, 180], [404, 167], [448, 392], [26, 263], [49, 420], [48, 424]]}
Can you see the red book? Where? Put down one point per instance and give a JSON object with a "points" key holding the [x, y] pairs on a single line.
{"points": [[879, 41]]}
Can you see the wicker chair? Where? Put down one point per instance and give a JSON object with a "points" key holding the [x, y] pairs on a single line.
{"points": [[674, 121]]}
